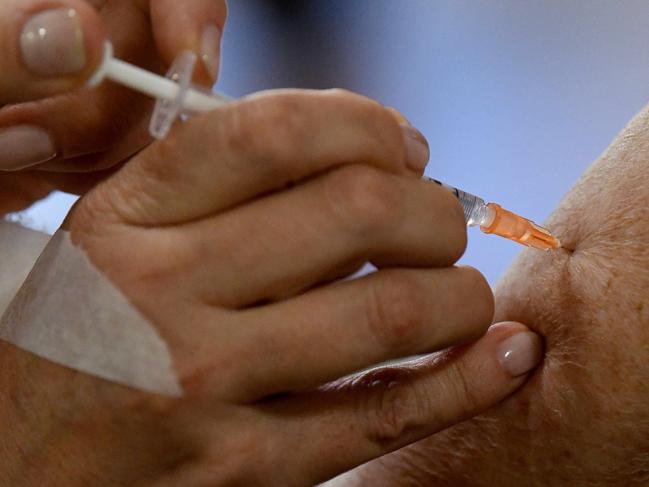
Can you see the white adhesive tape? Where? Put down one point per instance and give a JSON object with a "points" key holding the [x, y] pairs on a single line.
{"points": [[69, 313], [20, 247]]}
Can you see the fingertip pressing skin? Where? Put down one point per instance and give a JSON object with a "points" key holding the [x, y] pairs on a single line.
{"points": [[520, 350], [389, 407], [499, 363]]}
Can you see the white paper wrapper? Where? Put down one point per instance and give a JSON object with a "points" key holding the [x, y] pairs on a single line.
{"points": [[68, 312]]}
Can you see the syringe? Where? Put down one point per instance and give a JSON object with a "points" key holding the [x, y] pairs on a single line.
{"points": [[177, 96], [493, 218]]}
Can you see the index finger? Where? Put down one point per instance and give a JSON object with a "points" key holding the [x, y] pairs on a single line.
{"points": [[252, 147]]}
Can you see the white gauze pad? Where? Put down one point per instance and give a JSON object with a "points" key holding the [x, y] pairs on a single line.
{"points": [[66, 311]]}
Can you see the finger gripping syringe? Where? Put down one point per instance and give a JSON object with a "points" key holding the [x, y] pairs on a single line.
{"points": [[177, 96]]}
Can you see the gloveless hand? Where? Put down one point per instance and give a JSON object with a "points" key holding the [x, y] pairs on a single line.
{"points": [[230, 238]]}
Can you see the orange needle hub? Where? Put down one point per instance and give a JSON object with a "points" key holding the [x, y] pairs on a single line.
{"points": [[519, 229]]}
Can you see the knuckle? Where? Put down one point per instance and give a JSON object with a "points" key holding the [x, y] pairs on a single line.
{"points": [[342, 98], [154, 168], [377, 121], [268, 129], [129, 195], [364, 199], [345, 96], [242, 459], [394, 311], [390, 405]]}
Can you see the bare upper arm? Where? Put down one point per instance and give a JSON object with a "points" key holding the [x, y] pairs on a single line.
{"points": [[583, 418]]}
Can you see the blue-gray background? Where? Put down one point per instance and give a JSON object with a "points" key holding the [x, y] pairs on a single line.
{"points": [[516, 98]]}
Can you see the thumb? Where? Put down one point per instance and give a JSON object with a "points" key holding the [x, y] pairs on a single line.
{"points": [[47, 47]]}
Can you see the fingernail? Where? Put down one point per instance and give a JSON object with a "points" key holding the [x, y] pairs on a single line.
{"points": [[52, 43], [418, 151], [398, 116], [24, 146], [211, 50], [520, 353]]}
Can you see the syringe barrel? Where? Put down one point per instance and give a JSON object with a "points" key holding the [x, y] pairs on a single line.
{"points": [[476, 211]]}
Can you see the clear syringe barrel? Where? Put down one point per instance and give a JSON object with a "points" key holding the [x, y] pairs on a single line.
{"points": [[476, 211]]}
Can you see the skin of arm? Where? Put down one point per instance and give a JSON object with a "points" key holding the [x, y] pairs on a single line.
{"points": [[583, 418]]}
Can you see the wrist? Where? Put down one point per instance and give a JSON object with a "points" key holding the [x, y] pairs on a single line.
{"points": [[65, 428]]}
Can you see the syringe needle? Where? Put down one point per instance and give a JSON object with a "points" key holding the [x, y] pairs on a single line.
{"points": [[514, 227], [493, 218]]}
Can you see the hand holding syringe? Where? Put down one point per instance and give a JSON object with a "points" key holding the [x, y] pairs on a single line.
{"points": [[177, 96]]}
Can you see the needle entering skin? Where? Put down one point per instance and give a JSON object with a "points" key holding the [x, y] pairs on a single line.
{"points": [[521, 230], [494, 219]]}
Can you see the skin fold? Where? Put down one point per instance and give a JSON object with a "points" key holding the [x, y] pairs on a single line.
{"points": [[582, 419]]}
